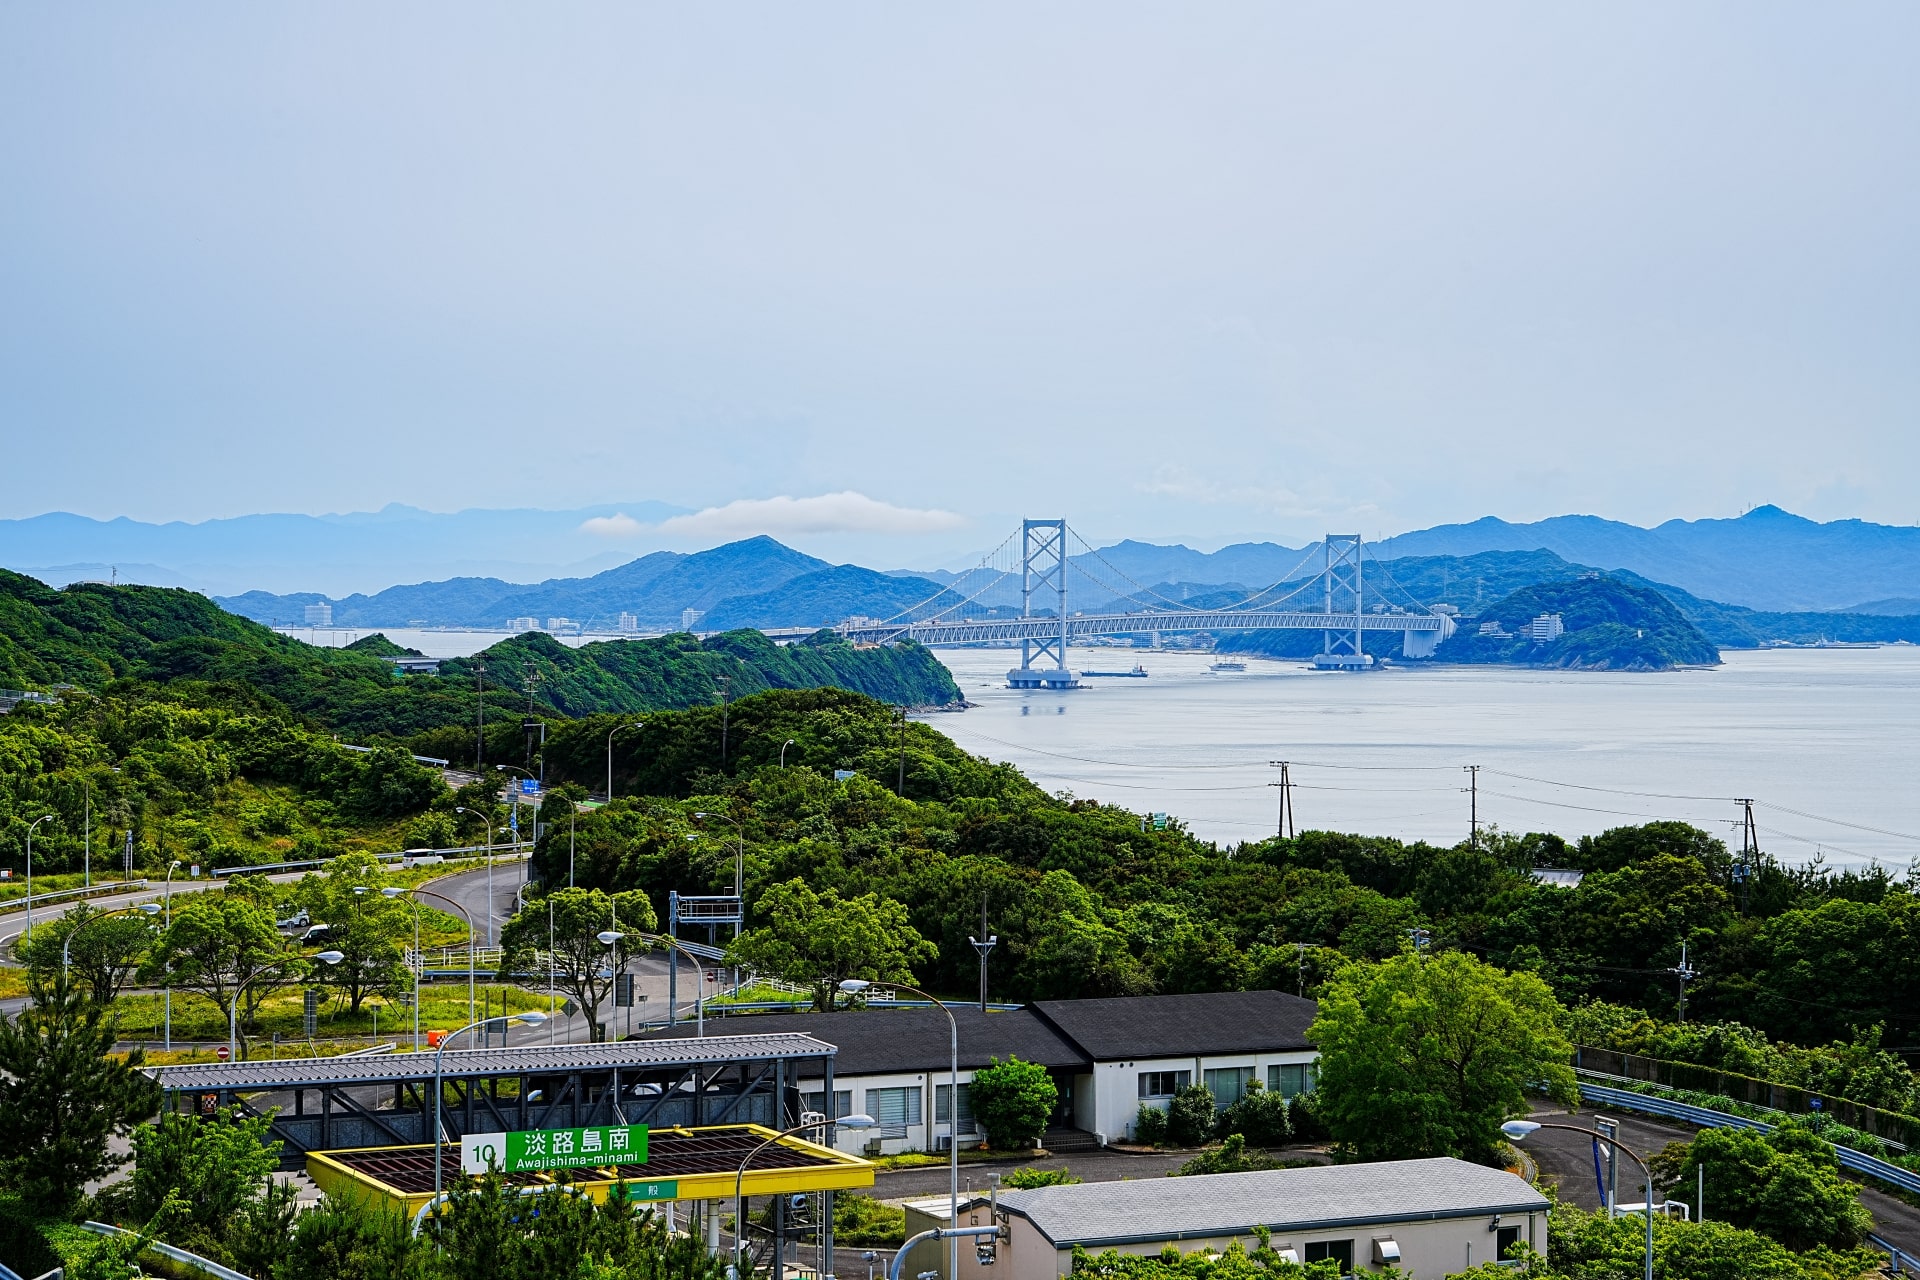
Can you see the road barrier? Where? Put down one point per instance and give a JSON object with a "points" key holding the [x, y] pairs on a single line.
{"points": [[1857, 1161]]}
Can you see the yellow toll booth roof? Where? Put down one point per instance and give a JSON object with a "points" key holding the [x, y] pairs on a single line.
{"points": [[682, 1164]]}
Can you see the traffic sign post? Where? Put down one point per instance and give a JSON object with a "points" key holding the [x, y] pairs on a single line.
{"points": [[536, 1150]]}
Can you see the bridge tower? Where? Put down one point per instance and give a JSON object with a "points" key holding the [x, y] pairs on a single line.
{"points": [[1342, 647], [1043, 572]]}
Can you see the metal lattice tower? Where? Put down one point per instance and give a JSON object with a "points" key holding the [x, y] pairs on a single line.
{"points": [[1043, 568], [1341, 579]]}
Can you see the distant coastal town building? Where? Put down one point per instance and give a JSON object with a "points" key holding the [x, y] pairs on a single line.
{"points": [[523, 624], [1545, 628], [558, 625], [1493, 629], [688, 617], [319, 615], [628, 625]]}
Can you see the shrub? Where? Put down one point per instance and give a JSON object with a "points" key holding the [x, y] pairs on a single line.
{"points": [[862, 1221], [1150, 1125], [1230, 1156], [1190, 1116], [1028, 1178], [1012, 1101], [1305, 1123], [1261, 1116]]}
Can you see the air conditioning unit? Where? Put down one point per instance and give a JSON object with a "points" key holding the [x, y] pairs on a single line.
{"points": [[942, 1141]]}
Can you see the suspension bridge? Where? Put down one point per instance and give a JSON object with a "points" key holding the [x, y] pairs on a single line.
{"points": [[1021, 595]]}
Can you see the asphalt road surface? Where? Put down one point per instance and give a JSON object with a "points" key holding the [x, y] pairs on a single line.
{"points": [[1567, 1159]]}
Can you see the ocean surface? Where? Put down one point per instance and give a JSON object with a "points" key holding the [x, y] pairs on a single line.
{"points": [[1826, 742]]}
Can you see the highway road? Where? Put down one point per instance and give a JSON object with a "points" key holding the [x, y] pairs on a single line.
{"points": [[1567, 1158]]}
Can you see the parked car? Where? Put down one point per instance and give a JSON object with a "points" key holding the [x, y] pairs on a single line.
{"points": [[298, 920]]}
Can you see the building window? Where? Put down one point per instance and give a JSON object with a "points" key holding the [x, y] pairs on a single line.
{"points": [[1227, 1084], [966, 1124], [1290, 1078], [1504, 1238], [842, 1102], [894, 1109], [1163, 1084], [1340, 1251]]}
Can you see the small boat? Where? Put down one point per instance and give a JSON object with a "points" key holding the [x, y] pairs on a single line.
{"points": [[1228, 666]]}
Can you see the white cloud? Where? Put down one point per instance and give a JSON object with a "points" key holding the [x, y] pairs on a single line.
{"points": [[847, 512], [617, 525]]}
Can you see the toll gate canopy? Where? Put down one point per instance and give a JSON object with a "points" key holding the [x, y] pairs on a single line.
{"points": [[331, 1104]]}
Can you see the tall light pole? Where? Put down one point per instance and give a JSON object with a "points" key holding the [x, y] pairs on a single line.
{"points": [[1517, 1130], [489, 821], [858, 1120], [854, 986], [233, 1009], [391, 892], [739, 853], [626, 724], [30, 826], [66, 947], [428, 893], [783, 752], [610, 939], [167, 992], [532, 1017]]}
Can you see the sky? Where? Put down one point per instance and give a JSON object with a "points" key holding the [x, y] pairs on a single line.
{"points": [[908, 273]]}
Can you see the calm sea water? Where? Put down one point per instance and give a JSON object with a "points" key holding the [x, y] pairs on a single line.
{"points": [[1831, 734], [1826, 740]]}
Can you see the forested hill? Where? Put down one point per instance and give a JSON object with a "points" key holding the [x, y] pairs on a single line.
{"points": [[89, 635], [1610, 626]]}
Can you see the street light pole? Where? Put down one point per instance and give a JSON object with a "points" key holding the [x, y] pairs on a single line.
{"points": [[853, 986], [233, 1009], [428, 893], [1517, 1130], [419, 957], [489, 821], [167, 993], [532, 1017], [30, 826], [627, 724], [66, 947], [858, 1120]]}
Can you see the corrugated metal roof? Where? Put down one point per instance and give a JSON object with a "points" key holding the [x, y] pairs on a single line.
{"points": [[1100, 1214], [884, 1041], [1113, 1028], [538, 1059]]}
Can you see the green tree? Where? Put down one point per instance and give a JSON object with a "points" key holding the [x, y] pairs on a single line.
{"points": [[346, 1239], [104, 952], [1786, 1185], [63, 1097], [817, 940], [1261, 1116], [216, 1167], [567, 924], [1427, 1057], [368, 930], [1012, 1100], [216, 943], [1231, 1156], [1191, 1115]]}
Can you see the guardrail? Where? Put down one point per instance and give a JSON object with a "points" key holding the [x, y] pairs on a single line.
{"points": [[403, 855], [1897, 1258], [1858, 1162], [193, 1261], [85, 891]]}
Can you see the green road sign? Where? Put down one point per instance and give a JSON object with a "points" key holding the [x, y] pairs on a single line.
{"points": [[533, 1150], [668, 1190]]}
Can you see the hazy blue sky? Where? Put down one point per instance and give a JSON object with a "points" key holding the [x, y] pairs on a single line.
{"points": [[1199, 271]]}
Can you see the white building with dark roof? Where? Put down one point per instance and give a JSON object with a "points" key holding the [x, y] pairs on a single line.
{"points": [[1107, 1057], [1428, 1217]]}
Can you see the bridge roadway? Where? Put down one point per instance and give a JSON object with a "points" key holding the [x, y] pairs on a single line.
{"points": [[1419, 630]]}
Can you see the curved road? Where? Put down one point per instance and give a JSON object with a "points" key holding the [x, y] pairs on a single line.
{"points": [[1567, 1158]]}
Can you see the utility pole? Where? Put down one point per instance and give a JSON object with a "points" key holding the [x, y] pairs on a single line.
{"points": [[1300, 969], [1749, 852], [1473, 809], [1683, 971], [983, 944], [1285, 825], [724, 682], [479, 713], [900, 787]]}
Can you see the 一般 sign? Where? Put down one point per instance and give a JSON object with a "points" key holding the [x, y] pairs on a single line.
{"points": [[533, 1150]]}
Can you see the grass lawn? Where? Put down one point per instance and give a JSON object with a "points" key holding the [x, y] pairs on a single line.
{"points": [[443, 1007]]}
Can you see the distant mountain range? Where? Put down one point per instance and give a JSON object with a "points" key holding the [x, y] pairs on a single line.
{"points": [[330, 553]]}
